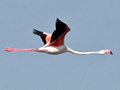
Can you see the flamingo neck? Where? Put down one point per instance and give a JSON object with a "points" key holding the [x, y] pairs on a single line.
{"points": [[84, 53]]}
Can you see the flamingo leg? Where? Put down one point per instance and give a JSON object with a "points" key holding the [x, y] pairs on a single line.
{"points": [[15, 49], [40, 50]]}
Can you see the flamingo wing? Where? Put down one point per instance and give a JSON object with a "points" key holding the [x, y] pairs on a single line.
{"points": [[58, 35], [46, 37]]}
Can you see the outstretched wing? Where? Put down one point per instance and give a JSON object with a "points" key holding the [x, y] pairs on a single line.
{"points": [[58, 35], [46, 37]]}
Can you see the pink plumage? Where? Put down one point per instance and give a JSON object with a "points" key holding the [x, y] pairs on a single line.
{"points": [[54, 43]]}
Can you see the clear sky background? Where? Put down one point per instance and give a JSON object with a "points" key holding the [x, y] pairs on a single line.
{"points": [[95, 25]]}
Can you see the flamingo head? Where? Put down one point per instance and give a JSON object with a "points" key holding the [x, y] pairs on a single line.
{"points": [[106, 51]]}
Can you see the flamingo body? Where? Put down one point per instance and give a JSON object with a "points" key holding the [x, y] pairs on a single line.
{"points": [[53, 49], [54, 43]]}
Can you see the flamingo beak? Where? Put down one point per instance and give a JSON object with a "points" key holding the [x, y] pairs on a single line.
{"points": [[108, 51], [111, 53]]}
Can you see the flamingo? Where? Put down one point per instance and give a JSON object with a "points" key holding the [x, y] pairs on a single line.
{"points": [[54, 43]]}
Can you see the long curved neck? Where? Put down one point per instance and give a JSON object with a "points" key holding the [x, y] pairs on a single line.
{"points": [[83, 53]]}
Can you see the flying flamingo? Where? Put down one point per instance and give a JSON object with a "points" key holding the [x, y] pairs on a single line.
{"points": [[54, 43]]}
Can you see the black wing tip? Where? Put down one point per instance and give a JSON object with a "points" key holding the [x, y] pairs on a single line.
{"points": [[58, 20], [34, 31]]}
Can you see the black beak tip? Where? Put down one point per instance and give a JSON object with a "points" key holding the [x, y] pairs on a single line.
{"points": [[111, 53]]}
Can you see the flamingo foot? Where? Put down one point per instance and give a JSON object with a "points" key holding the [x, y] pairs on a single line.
{"points": [[8, 49]]}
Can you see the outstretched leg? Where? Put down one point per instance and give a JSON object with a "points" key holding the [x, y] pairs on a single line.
{"points": [[15, 49]]}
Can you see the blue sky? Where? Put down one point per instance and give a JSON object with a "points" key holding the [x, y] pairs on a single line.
{"points": [[95, 25]]}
